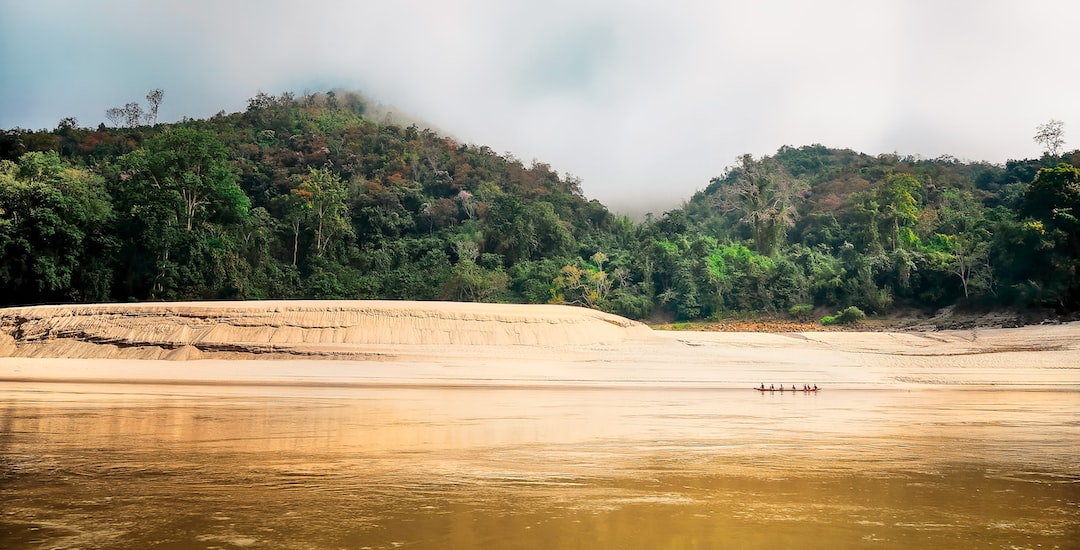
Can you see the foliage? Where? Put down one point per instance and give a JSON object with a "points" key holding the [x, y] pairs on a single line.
{"points": [[54, 242], [801, 312], [763, 196], [850, 316], [469, 282], [319, 196], [1051, 210], [585, 284], [179, 199]]}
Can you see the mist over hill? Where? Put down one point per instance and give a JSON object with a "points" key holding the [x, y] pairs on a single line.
{"points": [[328, 196]]}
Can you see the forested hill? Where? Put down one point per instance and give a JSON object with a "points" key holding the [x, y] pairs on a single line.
{"points": [[309, 197], [841, 227]]}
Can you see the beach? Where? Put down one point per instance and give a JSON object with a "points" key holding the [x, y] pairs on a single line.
{"points": [[449, 344], [312, 425]]}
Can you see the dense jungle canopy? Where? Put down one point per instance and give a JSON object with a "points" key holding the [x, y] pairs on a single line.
{"points": [[309, 197]]}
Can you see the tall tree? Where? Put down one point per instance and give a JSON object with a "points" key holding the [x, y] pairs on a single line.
{"points": [[764, 196], [965, 236], [899, 208], [192, 166], [177, 192], [154, 98], [323, 194], [522, 230], [133, 115], [1052, 204], [1051, 135]]}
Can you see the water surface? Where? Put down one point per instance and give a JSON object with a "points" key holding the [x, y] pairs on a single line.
{"points": [[219, 466]]}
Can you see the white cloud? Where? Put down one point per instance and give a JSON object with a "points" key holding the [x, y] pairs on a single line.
{"points": [[643, 100]]}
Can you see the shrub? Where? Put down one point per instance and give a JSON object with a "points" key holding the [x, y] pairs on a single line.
{"points": [[850, 316], [828, 320], [801, 312]]}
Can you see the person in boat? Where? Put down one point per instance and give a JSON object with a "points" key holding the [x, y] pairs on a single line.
{"points": [[793, 387], [815, 387], [763, 386], [771, 387]]}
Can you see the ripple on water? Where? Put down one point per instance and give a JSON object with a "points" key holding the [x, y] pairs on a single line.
{"points": [[472, 469], [1040, 477]]}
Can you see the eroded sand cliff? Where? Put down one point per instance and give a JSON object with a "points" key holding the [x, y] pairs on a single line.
{"points": [[498, 345], [332, 329]]}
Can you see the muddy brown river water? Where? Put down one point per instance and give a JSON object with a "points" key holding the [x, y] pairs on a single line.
{"points": [[232, 466]]}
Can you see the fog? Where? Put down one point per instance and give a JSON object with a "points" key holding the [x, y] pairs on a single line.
{"points": [[644, 102]]}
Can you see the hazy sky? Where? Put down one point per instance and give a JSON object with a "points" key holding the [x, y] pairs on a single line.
{"points": [[644, 101]]}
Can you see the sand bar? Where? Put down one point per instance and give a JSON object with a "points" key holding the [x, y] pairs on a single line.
{"points": [[499, 345]]}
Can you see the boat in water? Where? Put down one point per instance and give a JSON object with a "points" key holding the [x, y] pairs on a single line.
{"points": [[789, 390]]}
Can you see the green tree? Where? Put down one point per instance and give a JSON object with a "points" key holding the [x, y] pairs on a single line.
{"points": [[291, 210], [583, 283], [530, 280], [764, 196], [53, 223], [323, 195], [189, 169], [177, 194], [964, 239], [469, 282], [826, 276], [751, 279], [1052, 207], [898, 209], [525, 230]]}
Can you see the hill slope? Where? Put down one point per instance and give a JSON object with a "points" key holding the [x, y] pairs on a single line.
{"points": [[309, 198]]}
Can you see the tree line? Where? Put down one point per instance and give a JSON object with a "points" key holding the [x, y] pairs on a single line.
{"points": [[307, 197]]}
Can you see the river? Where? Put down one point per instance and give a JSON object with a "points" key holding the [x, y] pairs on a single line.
{"points": [[279, 466]]}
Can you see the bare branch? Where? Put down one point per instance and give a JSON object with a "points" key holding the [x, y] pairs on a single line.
{"points": [[1051, 135]]}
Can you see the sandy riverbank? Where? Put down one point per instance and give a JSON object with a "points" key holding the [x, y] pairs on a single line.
{"points": [[451, 344]]}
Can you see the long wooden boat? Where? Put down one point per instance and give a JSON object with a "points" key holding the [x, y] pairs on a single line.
{"points": [[782, 390]]}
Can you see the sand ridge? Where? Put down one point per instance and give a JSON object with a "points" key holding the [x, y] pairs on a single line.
{"points": [[499, 345], [268, 329]]}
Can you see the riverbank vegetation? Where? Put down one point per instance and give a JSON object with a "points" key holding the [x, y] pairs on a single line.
{"points": [[314, 197]]}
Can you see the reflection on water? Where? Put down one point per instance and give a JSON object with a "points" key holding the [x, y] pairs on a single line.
{"points": [[227, 467]]}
